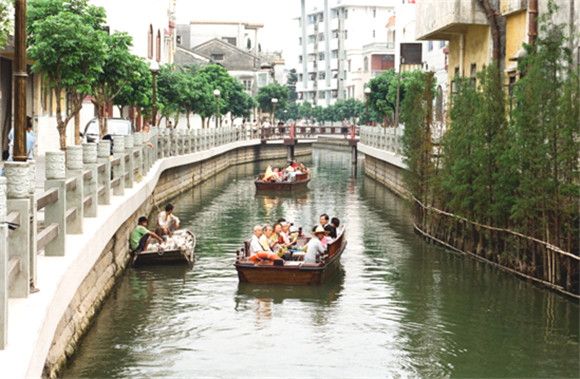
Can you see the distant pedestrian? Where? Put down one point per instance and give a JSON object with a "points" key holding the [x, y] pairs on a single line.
{"points": [[30, 141]]}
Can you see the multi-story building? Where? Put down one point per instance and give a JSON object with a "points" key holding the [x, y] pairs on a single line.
{"points": [[234, 45], [341, 48], [465, 26]]}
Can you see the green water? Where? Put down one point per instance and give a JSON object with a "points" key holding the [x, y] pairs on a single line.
{"points": [[400, 307]]}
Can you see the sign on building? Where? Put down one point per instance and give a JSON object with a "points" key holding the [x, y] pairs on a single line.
{"points": [[411, 53]]}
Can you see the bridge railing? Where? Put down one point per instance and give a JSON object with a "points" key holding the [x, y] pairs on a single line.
{"points": [[75, 184], [388, 139]]}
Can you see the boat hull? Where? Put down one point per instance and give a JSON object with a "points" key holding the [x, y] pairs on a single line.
{"points": [[293, 273], [300, 183], [182, 256]]}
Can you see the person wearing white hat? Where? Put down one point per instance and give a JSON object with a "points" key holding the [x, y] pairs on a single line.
{"points": [[314, 248]]}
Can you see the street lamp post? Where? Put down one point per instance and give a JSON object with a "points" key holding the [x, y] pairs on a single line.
{"points": [[367, 97], [217, 94], [274, 102], [154, 67], [20, 76]]}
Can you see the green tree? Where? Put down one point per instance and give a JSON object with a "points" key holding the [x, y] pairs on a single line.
{"points": [[70, 60], [269, 92], [5, 21], [417, 115], [136, 91], [292, 79], [543, 146], [117, 71]]}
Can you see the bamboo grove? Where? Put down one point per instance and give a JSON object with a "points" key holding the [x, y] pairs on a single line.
{"points": [[509, 157]]}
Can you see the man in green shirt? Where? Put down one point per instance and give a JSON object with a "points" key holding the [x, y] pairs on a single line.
{"points": [[140, 236]]}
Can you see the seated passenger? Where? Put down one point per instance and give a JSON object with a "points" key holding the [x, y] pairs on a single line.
{"points": [[327, 226], [257, 252], [314, 248], [167, 222], [285, 234], [268, 174], [265, 238], [274, 238], [141, 236]]}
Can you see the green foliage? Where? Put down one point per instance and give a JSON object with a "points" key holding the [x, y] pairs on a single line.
{"points": [[543, 129], [136, 91], [416, 114], [519, 172], [5, 21], [269, 92], [72, 59]]}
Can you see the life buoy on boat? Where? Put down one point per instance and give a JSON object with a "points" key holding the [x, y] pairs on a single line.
{"points": [[264, 255]]}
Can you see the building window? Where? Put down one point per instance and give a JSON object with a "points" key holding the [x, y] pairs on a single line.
{"points": [[349, 65], [312, 76], [158, 47], [321, 37], [346, 34], [430, 45], [231, 40], [344, 75], [300, 77], [366, 64], [311, 57], [473, 73], [322, 75], [374, 12], [334, 93], [247, 84], [300, 41], [321, 17], [300, 59], [374, 34], [311, 39], [335, 34], [321, 94], [345, 13], [441, 44], [320, 56], [334, 54], [150, 42], [217, 57], [334, 74]]}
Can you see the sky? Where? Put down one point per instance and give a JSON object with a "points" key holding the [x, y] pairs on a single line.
{"points": [[280, 32]]}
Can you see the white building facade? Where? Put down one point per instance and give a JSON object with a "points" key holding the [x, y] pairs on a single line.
{"points": [[342, 47]]}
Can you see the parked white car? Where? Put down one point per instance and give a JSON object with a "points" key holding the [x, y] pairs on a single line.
{"points": [[115, 127]]}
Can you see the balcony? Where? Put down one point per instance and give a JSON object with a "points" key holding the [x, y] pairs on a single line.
{"points": [[379, 48], [438, 20]]}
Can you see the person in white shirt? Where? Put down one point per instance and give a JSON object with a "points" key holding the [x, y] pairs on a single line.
{"points": [[257, 251], [167, 221], [314, 248]]}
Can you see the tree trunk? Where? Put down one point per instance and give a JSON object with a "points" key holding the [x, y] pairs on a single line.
{"points": [[60, 124], [77, 129], [187, 117], [496, 23]]}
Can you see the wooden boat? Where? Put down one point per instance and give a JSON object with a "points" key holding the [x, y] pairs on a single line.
{"points": [[300, 182], [177, 250], [292, 272]]}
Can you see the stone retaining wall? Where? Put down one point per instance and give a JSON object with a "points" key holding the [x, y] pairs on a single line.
{"points": [[113, 261], [389, 175]]}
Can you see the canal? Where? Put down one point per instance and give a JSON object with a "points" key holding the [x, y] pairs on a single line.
{"points": [[400, 306]]}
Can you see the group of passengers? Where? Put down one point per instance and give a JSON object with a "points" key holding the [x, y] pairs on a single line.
{"points": [[141, 236], [282, 241], [284, 174]]}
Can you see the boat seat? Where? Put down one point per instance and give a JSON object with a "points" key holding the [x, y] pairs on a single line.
{"points": [[292, 263]]}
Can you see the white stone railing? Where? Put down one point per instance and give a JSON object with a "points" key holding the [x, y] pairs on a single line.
{"points": [[388, 139], [76, 183]]}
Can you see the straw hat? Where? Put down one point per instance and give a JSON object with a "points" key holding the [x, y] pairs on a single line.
{"points": [[319, 229]]}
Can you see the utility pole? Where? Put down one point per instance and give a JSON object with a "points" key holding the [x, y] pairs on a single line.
{"points": [[20, 75]]}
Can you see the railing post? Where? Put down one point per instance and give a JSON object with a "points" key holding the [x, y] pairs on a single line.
{"points": [[90, 185], [119, 169], [190, 137], [74, 165], [174, 142], [18, 183], [130, 169], [3, 266], [104, 158], [33, 222], [55, 213], [138, 148]]}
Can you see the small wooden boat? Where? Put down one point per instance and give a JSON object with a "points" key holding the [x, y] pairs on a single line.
{"points": [[179, 249], [292, 272], [300, 182]]}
